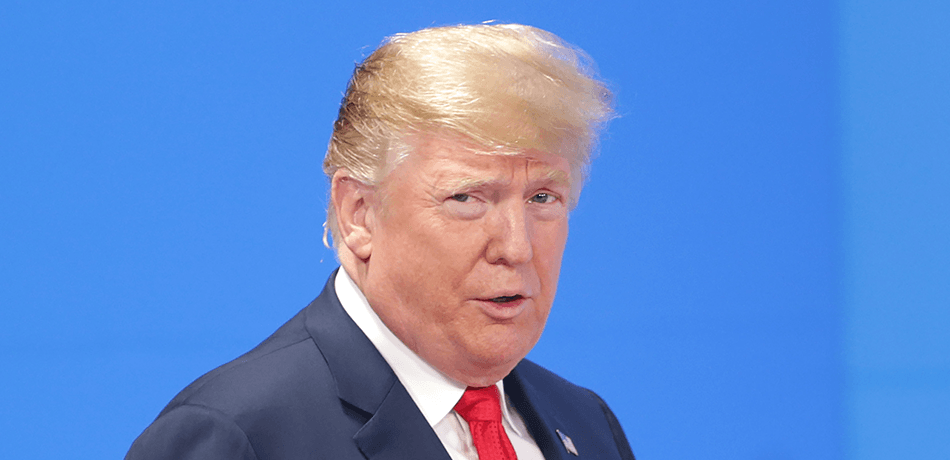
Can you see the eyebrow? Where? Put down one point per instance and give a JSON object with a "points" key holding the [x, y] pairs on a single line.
{"points": [[559, 177], [467, 183]]}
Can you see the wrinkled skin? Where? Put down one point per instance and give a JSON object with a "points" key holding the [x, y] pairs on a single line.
{"points": [[459, 252]]}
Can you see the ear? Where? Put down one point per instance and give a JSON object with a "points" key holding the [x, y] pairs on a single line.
{"points": [[352, 202]]}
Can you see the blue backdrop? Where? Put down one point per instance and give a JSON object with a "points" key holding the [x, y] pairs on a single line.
{"points": [[757, 269]]}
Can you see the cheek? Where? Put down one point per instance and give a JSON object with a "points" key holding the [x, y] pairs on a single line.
{"points": [[435, 261], [549, 246]]}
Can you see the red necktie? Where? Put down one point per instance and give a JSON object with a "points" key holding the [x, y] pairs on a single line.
{"points": [[481, 409]]}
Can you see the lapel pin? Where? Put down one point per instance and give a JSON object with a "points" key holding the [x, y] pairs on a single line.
{"points": [[568, 444]]}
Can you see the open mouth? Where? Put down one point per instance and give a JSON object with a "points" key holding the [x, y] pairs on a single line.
{"points": [[506, 298]]}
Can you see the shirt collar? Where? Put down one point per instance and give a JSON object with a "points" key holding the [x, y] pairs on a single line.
{"points": [[433, 392]]}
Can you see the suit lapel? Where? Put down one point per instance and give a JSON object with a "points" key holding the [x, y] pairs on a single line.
{"points": [[394, 427], [541, 423], [363, 378], [395, 432]]}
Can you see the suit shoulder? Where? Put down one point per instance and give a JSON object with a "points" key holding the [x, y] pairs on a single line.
{"points": [[537, 375], [276, 368], [189, 432]]}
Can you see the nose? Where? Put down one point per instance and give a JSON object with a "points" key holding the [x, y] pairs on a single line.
{"points": [[510, 242]]}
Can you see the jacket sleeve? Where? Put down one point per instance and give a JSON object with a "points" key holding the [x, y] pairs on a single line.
{"points": [[191, 432], [623, 446]]}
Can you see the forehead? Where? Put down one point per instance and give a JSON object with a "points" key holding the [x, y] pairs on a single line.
{"points": [[453, 161]]}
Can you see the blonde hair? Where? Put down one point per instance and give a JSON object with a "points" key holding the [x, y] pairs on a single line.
{"points": [[505, 88]]}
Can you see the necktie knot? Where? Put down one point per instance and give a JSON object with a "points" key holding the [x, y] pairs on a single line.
{"points": [[481, 408], [480, 404]]}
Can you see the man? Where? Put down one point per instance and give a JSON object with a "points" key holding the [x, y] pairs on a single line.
{"points": [[456, 158]]}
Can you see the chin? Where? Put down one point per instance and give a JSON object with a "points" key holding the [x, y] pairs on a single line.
{"points": [[483, 377], [490, 368]]}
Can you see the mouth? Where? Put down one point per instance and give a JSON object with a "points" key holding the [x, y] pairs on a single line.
{"points": [[507, 298], [505, 307]]}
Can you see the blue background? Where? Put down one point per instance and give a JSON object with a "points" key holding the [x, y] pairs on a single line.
{"points": [[758, 268]]}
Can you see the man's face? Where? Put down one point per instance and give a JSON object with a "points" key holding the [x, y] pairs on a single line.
{"points": [[466, 251]]}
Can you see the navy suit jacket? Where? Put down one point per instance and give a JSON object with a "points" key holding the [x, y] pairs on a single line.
{"points": [[318, 389]]}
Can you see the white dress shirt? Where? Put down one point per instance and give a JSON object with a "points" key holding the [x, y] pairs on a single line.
{"points": [[433, 392]]}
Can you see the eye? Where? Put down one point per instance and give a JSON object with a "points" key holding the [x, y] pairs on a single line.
{"points": [[543, 198], [465, 206]]}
